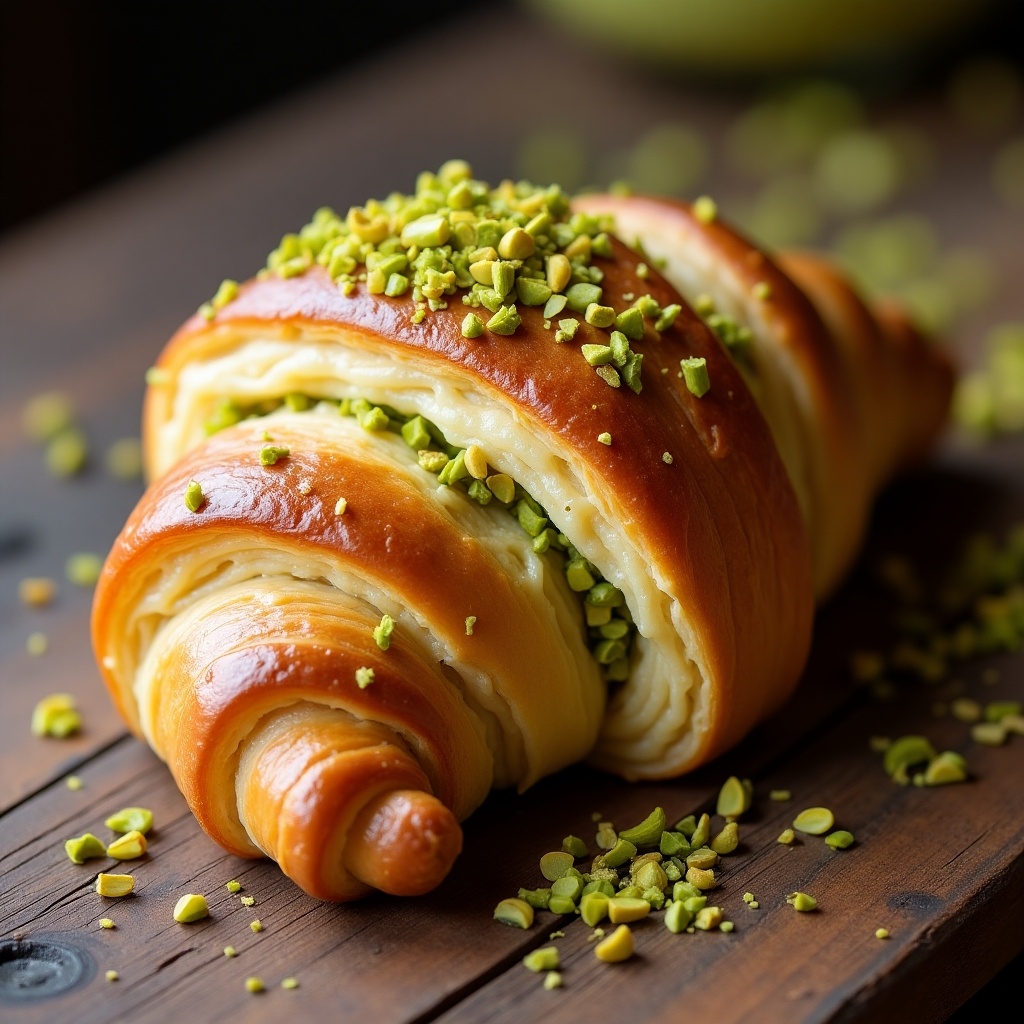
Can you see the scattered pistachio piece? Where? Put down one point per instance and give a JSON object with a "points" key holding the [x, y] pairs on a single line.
{"points": [[514, 912], [83, 569], [814, 821], [194, 497], [190, 908], [128, 847], [37, 591], [56, 715], [382, 633], [254, 985], [695, 374], [106, 923], [544, 959], [114, 885], [84, 847], [364, 677], [616, 947], [802, 901], [131, 819]]}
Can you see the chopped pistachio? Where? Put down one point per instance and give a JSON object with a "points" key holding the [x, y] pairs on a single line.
{"points": [[582, 295], [881, 933], [190, 908], [648, 832], [47, 415], [801, 901], [114, 885], [905, 752], [382, 632], [73, 782], [234, 886], [56, 715], [254, 985], [131, 819], [566, 330], [128, 847], [780, 795], [476, 462], [705, 209], [341, 506], [631, 322], [472, 326], [814, 821], [556, 864], [532, 292], [554, 305], [597, 355], [432, 462], [787, 837], [552, 980], [599, 316], [124, 459], [839, 840], [505, 321], [558, 272], [616, 947], [727, 840], [111, 975], [502, 487], [516, 244], [622, 909], [537, 898], [733, 798], [364, 676], [667, 317], [256, 926], [708, 918], [604, 437], [288, 984], [989, 734], [84, 847], [544, 959], [194, 497], [514, 912], [609, 375], [106, 923], [37, 644], [695, 373], [83, 569], [37, 591]]}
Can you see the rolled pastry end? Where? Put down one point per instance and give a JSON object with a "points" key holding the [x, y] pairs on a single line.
{"points": [[403, 843]]}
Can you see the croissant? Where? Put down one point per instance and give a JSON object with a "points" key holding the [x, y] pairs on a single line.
{"points": [[473, 484]]}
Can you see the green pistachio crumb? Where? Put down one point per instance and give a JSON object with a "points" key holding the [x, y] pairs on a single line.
{"points": [[802, 901], [597, 355], [472, 326], [382, 633], [364, 675], [599, 316], [705, 209], [194, 497], [643, 271], [667, 317], [695, 374], [470, 623], [341, 506], [505, 321], [271, 454], [605, 437], [609, 375]]}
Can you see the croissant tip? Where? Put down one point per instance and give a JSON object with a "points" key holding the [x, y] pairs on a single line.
{"points": [[405, 843]]}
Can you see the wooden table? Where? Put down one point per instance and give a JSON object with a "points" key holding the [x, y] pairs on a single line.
{"points": [[87, 298]]}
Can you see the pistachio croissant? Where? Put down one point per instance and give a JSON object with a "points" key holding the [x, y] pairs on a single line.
{"points": [[476, 483]]}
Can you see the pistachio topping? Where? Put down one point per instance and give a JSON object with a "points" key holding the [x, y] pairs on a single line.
{"points": [[364, 677], [271, 454], [194, 497], [382, 632], [695, 374], [705, 209]]}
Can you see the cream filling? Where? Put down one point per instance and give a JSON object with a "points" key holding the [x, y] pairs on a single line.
{"points": [[657, 716]]}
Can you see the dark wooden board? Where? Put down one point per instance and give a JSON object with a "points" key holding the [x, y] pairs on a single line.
{"points": [[88, 297]]}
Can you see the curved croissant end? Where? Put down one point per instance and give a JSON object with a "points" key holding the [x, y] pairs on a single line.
{"points": [[242, 635], [850, 394]]}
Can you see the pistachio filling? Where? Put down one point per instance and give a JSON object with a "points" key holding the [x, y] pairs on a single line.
{"points": [[610, 627]]}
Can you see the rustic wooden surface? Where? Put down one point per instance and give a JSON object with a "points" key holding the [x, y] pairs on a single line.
{"points": [[88, 297]]}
